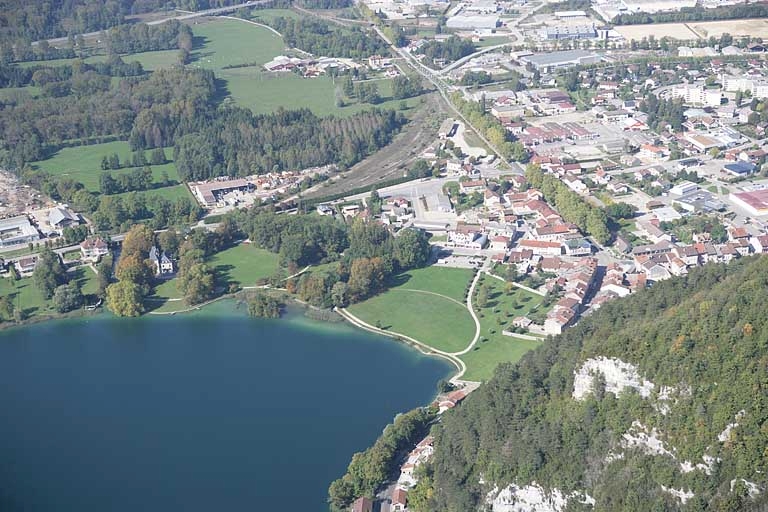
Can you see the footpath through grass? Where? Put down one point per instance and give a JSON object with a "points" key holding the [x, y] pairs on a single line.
{"points": [[503, 306], [442, 322]]}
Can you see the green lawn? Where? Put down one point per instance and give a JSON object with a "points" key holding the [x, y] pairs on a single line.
{"points": [[244, 264], [167, 290], [451, 282], [25, 295], [83, 163], [88, 280], [493, 347], [436, 321]]}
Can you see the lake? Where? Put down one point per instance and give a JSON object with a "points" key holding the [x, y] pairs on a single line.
{"points": [[205, 411]]}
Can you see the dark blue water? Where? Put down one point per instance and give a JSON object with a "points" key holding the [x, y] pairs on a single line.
{"points": [[210, 411]]}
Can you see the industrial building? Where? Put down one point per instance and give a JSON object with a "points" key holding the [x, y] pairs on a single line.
{"points": [[473, 22], [17, 230], [549, 61], [569, 32], [209, 193]]}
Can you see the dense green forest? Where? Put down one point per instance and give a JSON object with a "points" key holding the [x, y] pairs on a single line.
{"points": [[324, 39], [705, 336], [238, 142]]}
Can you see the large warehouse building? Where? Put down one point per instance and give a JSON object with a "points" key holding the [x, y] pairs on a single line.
{"points": [[755, 201], [17, 230]]}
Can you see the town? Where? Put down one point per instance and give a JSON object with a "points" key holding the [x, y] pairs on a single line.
{"points": [[469, 178]]}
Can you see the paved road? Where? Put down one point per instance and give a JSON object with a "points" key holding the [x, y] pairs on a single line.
{"points": [[179, 17]]}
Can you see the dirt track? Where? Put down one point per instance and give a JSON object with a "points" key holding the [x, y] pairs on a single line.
{"points": [[394, 159]]}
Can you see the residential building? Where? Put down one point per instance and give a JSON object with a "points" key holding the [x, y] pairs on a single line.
{"points": [[163, 264], [94, 248], [362, 504], [541, 247], [399, 500], [26, 265]]}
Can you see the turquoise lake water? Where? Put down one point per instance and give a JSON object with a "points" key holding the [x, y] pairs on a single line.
{"points": [[208, 411]]}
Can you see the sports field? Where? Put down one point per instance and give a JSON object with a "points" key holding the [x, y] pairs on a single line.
{"points": [[83, 163], [425, 305]]}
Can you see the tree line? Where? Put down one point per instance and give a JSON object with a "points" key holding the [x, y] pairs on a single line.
{"points": [[491, 128], [698, 13], [369, 469], [571, 206]]}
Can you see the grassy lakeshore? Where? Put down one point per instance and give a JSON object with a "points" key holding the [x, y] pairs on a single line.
{"points": [[425, 304]]}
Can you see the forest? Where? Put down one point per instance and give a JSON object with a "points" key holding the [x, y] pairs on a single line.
{"points": [[320, 38], [237, 142], [663, 112], [705, 336], [154, 110]]}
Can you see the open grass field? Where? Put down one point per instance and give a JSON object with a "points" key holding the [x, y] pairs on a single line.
{"points": [[167, 290], [87, 279], [412, 308], [451, 282], [83, 163], [493, 347], [244, 264], [25, 295], [436, 321]]}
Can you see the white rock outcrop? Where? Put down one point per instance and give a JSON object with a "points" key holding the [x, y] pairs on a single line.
{"points": [[648, 441], [533, 498], [683, 496], [617, 374], [752, 488], [725, 435]]}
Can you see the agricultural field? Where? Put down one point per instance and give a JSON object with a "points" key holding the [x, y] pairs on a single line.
{"points": [[244, 265], [83, 163], [502, 307], [426, 306], [736, 28], [658, 30]]}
